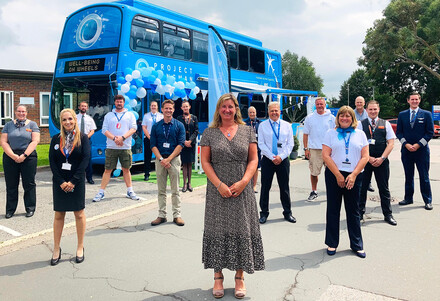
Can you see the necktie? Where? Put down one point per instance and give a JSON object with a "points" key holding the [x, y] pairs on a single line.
{"points": [[373, 124], [413, 117], [154, 118], [82, 125], [274, 138]]}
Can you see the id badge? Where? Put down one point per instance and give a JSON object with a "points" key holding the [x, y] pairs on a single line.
{"points": [[256, 135], [166, 145], [372, 141], [279, 145], [66, 166]]}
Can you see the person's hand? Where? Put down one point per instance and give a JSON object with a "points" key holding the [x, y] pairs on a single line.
{"points": [[349, 181], [119, 141], [63, 186], [224, 191], [68, 187], [307, 154], [20, 159], [412, 147], [341, 180], [277, 160], [188, 143], [165, 163], [377, 162], [237, 188]]}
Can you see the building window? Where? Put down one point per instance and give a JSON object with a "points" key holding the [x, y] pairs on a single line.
{"points": [[6, 106], [44, 108]]}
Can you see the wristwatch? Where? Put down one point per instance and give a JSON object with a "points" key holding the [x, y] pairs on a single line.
{"points": [[24, 154], [383, 158], [114, 138], [306, 148], [123, 138], [161, 158]]}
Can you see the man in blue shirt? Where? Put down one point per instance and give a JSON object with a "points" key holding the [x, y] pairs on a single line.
{"points": [[167, 138]]}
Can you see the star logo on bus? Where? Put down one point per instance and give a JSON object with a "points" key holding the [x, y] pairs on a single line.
{"points": [[110, 64], [269, 63]]}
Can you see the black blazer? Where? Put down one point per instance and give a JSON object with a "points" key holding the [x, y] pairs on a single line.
{"points": [[191, 129]]}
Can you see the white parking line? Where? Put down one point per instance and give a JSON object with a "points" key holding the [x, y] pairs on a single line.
{"points": [[10, 231]]}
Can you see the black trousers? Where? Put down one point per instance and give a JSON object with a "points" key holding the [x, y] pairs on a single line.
{"points": [[382, 175], [27, 170], [351, 204], [89, 169], [282, 171], [420, 159], [147, 156]]}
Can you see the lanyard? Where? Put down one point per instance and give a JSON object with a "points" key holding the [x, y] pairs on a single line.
{"points": [[347, 146], [273, 129], [64, 150], [153, 116], [371, 132], [119, 119], [168, 133]]}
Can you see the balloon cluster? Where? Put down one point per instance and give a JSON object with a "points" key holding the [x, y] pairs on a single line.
{"points": [[135, 83]]}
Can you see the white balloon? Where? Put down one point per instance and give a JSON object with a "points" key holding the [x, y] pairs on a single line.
{"points": [[125, 88], [196, 90], [167, 88], [160, 90], [157, 82], [133, 103], [136, 74], [128, 78], [180, 85], [141, 93]]}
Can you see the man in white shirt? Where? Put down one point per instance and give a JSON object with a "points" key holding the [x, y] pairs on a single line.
{"points": [[118, 126], [316, 126], [150, 119], [380, 137], [275, 139], [87, 126]]}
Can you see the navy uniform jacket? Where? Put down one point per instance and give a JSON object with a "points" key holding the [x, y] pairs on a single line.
{"points": [[422, 131]]}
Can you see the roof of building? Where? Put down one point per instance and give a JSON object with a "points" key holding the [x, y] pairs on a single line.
{"points": [[23, 74]]}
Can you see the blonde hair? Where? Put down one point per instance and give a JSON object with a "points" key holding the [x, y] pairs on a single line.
{"points": [[217, 121], [77, 139], [346, 110]]}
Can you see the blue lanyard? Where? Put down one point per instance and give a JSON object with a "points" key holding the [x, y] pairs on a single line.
{"points": [[168, 133], [347, 146], [119, 119], [273, 129]]}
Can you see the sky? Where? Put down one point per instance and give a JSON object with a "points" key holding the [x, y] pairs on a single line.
{"points": [[329, 33]]}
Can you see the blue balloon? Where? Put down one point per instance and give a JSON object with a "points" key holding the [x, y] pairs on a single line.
{"points": [[117, 173], [131, 94], [151, 79], [171, 80], [154, 73], [133, 87], [192, 95], [119, 87], [133, 141], [127, 99], [168, 95], [192, 85], [128, 71], [160, 74], [121, 80], [188, 85], [146, 72], [139, 83], [127, 105]]}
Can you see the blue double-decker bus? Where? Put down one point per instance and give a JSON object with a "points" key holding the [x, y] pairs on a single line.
{"points": [[146, 53]]}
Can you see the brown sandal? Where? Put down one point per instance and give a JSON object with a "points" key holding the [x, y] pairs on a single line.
{"points": [[218, 293], [240, 293]]}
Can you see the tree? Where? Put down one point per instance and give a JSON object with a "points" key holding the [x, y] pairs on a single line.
{"points": [[359, 84], [298, 74], [402, 52]]}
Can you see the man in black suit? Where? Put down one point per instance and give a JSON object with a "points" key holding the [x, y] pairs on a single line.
{"points": [[414, 130]]}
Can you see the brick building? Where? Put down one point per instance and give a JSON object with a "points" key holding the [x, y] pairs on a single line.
{"points": [[31, 88]]}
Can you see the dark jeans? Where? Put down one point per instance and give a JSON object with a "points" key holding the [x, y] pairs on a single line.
{"points": [[382, 175], [282, 171], [27, 170], [351, 204]]}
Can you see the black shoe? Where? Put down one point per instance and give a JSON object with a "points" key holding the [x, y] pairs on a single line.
{"points": [[331, 252], [390, 220], [56, 260], [190, 189], [428, 206], [263, 219], [30, 213], [146, 178], [370, 188], [405, 202], [90, 181], [79, 259], [9, 215], [360, 254], [290, 218], [184, 188]]}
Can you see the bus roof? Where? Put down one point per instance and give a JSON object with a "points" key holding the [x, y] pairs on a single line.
{"points": [[183, 20]]}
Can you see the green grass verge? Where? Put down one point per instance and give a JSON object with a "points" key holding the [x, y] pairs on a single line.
{"points": [[196, 179], [43, 155]]}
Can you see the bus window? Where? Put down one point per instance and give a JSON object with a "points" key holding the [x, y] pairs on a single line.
{"points": [[176, 42], [243, 57], [200, 47], [145, 35], [256, 60], [233, 56], [243, 103]]}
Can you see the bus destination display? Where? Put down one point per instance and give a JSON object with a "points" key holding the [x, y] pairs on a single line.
{"points": [[87, 65]]}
